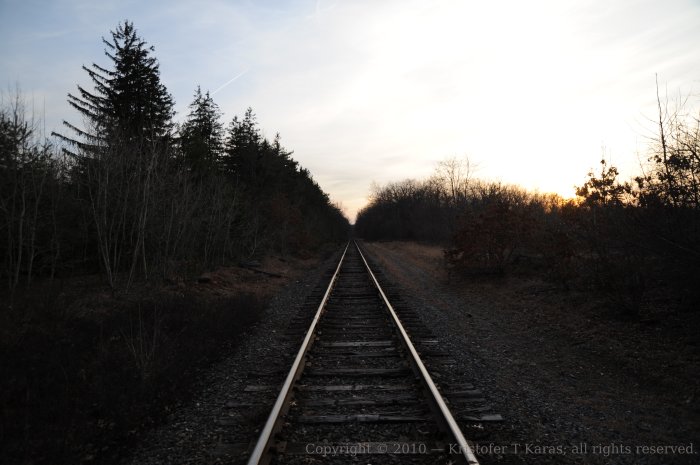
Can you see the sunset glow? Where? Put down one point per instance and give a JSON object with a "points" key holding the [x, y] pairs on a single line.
{"points": [[535, 93]]}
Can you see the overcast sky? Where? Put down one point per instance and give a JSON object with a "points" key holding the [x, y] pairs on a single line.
{"points": [[379, 90]]}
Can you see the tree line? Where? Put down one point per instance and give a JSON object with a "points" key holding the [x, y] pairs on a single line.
{"points": [[629, 239], [135, 195]]}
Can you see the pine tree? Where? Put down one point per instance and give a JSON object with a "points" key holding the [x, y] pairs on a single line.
{"points": [[201, 136], [243, 148], [123, 151], [129, 102]]}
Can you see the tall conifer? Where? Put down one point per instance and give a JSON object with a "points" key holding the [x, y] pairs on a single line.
{"points": [[129, 103], [201, 135]]}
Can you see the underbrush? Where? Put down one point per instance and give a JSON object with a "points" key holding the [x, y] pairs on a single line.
{"points": [[77, 384]]}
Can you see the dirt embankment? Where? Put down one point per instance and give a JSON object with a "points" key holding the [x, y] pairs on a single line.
{"points": [[561, 367]]}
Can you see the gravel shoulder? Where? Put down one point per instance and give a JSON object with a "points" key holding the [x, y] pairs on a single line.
{"points": [[562, 370]]}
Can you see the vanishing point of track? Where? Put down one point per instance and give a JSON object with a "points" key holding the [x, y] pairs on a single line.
{"points": [[358, 385]]}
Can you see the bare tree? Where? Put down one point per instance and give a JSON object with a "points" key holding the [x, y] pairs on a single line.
{"points": [[674, 175], [455, 174], [26, 167]]}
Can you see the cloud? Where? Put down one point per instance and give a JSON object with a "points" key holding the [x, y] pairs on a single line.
{"points": [[534, 91], [371, 90], [230, 81]]}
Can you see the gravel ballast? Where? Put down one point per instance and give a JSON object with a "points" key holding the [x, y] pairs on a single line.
{"points": [[572, 386], [221, 418]]}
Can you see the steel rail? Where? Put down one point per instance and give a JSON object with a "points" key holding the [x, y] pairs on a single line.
{"points": [[269, 429], [427, 379]]}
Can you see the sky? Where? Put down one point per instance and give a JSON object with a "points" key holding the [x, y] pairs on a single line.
{"points": [[534, 93]]}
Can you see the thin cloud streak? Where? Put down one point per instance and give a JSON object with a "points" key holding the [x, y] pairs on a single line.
{"points": [[230, 81]]}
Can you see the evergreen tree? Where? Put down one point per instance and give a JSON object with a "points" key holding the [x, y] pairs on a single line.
{"points": [[122, 151], [129, 102], [201, 136], [243, 145]]}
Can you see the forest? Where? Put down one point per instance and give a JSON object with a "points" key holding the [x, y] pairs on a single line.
{"points": [[133, 195], [126, 199], [636, 242]]}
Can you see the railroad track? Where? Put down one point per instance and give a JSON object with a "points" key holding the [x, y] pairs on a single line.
{"points": [[359, 385]]}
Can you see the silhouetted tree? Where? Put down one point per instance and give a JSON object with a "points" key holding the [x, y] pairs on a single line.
{"points": [[604, 190], [29, 179], [673, 179], [129, 103], [202, 134], [242, 151], [122, 153]]}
